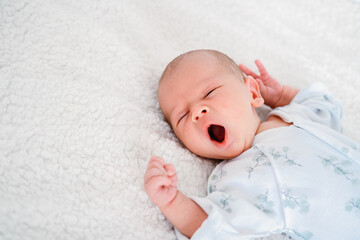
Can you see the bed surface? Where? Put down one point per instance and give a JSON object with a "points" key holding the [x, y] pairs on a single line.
{"points": [[79, 117]]}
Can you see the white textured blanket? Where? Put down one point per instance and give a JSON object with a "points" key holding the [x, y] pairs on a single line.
{"points": [[79, 117]]}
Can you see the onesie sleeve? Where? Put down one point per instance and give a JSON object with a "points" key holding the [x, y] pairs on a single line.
{"points": [[316, 104], [245, 222], [214, 227]]}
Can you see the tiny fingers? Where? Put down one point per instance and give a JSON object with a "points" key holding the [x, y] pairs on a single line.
{"points": [[157, 166], [260, 83], [171, 173], [247, 71], [261, 67], [155, 162], [170, 169], [153, 172], [157, 159], [157, 182]]}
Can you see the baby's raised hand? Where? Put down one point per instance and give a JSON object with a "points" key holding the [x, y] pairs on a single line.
{"points": [[160, 181], [270, 89]]}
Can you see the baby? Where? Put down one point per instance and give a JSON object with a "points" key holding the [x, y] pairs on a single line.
{"points": [[294, 173]]}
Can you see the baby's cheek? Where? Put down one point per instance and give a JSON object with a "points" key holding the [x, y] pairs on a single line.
{"points": [[195, 145], [185, 137], [229, 103]]}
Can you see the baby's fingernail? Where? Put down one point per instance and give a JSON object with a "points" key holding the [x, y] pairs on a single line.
{"points": [[170, 172]]}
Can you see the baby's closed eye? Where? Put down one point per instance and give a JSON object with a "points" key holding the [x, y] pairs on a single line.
{"points": [[211, 91], [182, 117]]}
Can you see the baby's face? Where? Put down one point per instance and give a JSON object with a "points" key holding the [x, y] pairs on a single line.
{"points": [[210, 108]]}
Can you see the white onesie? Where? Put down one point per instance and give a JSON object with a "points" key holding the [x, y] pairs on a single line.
{"points": [[302, 180]]}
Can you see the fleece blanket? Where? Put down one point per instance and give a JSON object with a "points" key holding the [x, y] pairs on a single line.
{"points": [[79, 117]]}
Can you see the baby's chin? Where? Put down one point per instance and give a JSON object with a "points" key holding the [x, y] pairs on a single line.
{"points": [[223, 154]]}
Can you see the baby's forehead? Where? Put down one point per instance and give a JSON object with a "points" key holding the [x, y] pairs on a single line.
{"points": [[197, 59], [189, 58], [195, 65]]}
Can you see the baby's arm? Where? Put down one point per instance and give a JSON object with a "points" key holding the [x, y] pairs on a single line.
{"points": [[160, 182], [274, 94]]}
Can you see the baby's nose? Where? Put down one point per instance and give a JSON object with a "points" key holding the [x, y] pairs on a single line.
{"points": [[199, 113]]}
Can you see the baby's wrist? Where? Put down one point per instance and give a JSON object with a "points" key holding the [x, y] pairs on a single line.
{"points": [[286, 96], [165, 207], [277, 102]]}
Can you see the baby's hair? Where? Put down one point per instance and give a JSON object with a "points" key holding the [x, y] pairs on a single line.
{"points": [[223, 59]]}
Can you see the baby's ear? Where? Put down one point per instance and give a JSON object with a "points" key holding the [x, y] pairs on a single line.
{"points": [[256, 98]]}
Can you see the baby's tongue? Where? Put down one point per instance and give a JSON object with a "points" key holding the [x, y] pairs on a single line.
{"points": [[217, 133]]}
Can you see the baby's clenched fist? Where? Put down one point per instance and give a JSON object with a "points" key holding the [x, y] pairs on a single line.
{"points": [[160, 181]]}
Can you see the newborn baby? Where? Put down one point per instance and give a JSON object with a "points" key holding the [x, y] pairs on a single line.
{"points": [[294, 173]]}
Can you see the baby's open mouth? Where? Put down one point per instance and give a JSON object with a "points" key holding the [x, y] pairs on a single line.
{"points": [[216, 133]]}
